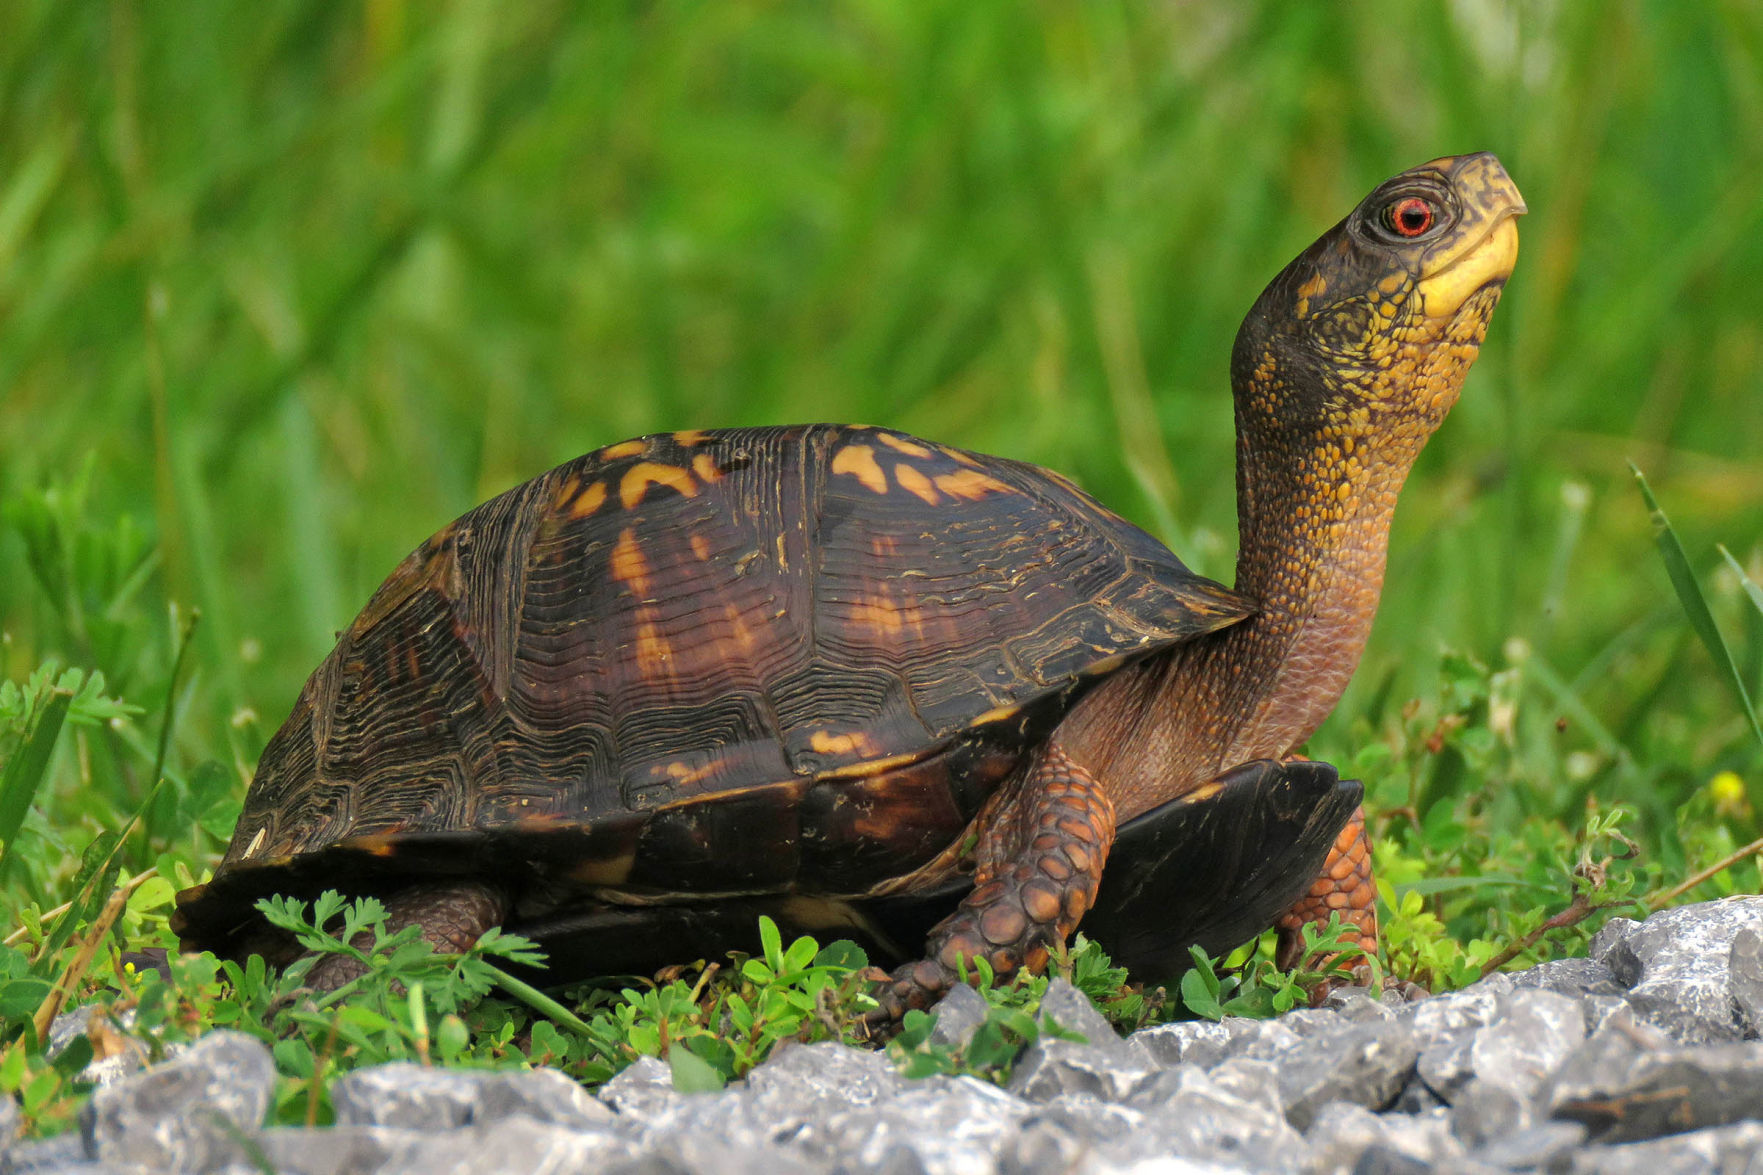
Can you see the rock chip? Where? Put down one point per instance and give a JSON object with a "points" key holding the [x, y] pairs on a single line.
{"points": [[1531, 1035], [1547, 1146], [1071, 1011], [959, 1015], [1052, 1067], [515, 1145], [1207, 1043], [1677, 966], [336, 1150], [1641, 1095], [1484, 1111], [1745, 968], [63, 1152], [1347, 1137], [940, 1126], [642, 1091], [1232, 1116], [1729, 1150], [187, 1113], [1365, 1064], [417, 1097], [1571, 977]]}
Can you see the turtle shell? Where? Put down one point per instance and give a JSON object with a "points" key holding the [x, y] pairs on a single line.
{"points": [[703, 664]]}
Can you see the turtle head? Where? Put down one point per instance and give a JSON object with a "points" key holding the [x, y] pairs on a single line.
{"points": [[1371, 330]]}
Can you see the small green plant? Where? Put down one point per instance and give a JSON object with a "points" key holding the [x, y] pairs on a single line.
{"points": [[1213, 989]]}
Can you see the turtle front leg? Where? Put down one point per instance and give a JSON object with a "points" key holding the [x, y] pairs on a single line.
{"points": [[1345, 887], [1040, 860], [453, 916]]}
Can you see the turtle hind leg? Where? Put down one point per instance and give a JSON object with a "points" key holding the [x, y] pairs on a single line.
{"points": [[1344, 887], [1040, 861], [453, 915]]}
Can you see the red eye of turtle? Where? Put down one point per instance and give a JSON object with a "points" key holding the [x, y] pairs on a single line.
{"points": [[1408, 217]]}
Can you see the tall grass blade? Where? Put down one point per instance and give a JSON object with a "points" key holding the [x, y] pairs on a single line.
{"points": [[1745, 581], [1695, 606], [26, 771]]}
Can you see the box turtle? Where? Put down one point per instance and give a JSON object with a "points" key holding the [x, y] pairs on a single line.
{"points": [[875, 686]]}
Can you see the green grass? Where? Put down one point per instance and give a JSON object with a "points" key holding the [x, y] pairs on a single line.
{"points": [[285, 286]]}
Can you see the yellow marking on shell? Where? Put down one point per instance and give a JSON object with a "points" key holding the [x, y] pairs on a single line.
{"points": [[913, 481], [997, 714], [738, 625], [685, 774], [628, 565], [958, 455], [373, 846], [588, 500], [824, 742], [971, 484], [565, 492], [901, 445], [1105, 666], [691, 436], [870, 767], [639, 477], [256, 843], [700, 546], [859, 462], [653, 651], [1202, 793], [704, 465], [623, 449], [879, 616], [605, 870]]}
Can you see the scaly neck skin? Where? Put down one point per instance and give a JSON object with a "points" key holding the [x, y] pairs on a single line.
{"points": [[1314, 560], [1323, 450]]}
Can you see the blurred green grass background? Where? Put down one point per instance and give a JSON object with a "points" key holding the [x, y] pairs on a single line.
{"points": [[305, 280]]}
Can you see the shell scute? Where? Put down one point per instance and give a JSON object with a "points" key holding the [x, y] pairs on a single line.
{"points": [[716, 661]]}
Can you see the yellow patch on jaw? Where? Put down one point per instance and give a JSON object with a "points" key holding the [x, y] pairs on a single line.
{"points": [[859, 462], [1489, 259], [628, 565], [912, 480], [639, 477], [911, 449], [622, 449], [971, 484], [588, 501]]}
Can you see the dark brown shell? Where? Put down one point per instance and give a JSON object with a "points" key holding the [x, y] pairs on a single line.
{"points": [[713, 662]]}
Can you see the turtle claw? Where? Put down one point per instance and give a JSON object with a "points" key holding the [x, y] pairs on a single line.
{"points": [[912, 987]]}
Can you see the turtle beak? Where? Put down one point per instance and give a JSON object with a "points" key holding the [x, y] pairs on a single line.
{"points": [[1485, 247]]}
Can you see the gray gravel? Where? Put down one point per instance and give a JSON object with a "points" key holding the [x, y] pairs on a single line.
{"points": [[1643, 1058]]}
